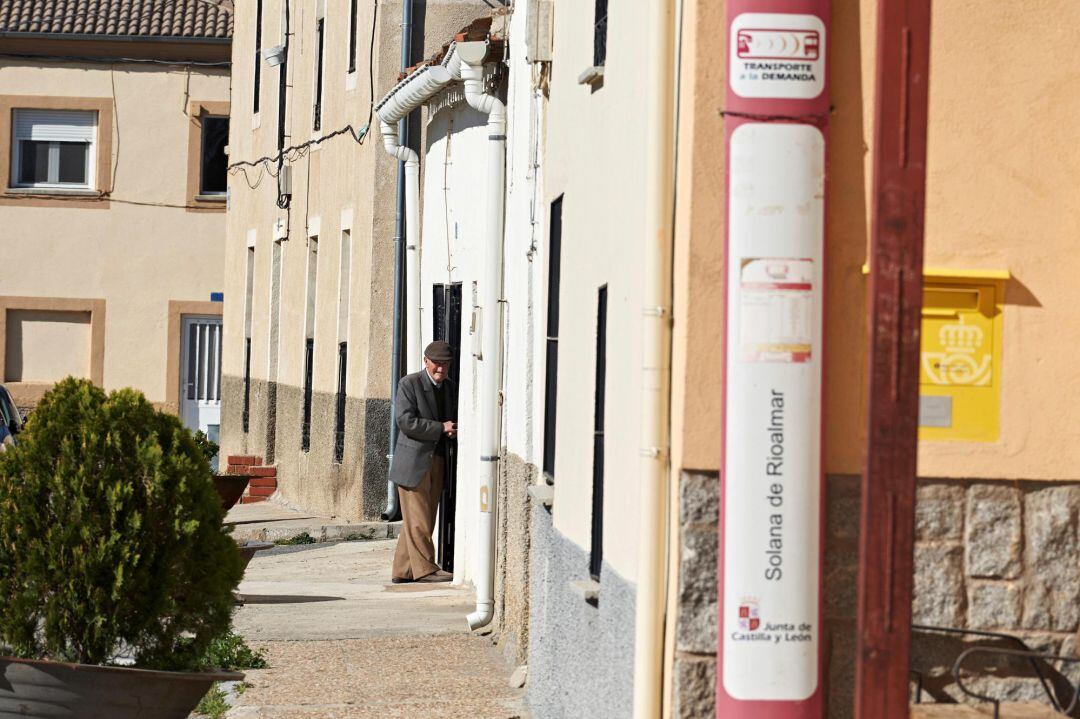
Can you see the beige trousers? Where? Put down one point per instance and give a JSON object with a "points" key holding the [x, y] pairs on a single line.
{"points": [[415, 554]]}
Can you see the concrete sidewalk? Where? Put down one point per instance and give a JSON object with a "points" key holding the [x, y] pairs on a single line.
{"points": [[345, 643], [272, 521]]}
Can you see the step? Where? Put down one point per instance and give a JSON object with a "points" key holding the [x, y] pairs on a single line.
{"points": [[1009, 710], [320, 532]]}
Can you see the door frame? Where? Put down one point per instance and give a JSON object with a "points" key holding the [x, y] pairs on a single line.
{"points": [[178, 309], [448, 328]]}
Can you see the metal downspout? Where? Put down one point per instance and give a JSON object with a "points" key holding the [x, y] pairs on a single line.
{"points": [[656, 362], [393, 511], [472, 56]]}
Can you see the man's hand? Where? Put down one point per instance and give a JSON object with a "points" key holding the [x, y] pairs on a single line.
{"points": [[449, 429]]}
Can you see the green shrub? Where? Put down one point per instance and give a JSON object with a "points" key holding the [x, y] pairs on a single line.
{"points": [[208, 447], [111, 537], [231, 652], [302, 538], [214, 705]]}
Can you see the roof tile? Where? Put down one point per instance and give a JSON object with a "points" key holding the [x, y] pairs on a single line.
{"points": [[148, 18]]}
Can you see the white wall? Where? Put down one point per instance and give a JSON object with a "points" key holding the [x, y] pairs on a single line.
{"points": [[594, 143], [454, 191], [525, 255], [451, 251], [595, 155]]}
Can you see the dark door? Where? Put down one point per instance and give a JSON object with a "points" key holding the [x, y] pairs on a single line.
{"points": [[446, 325]]}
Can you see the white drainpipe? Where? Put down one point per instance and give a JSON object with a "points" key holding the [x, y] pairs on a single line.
{"points": [[471, 57], [654, 540], [464, 61], [408, 95]]}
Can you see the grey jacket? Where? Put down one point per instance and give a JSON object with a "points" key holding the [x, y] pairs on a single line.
{"points": [[419, 427]]}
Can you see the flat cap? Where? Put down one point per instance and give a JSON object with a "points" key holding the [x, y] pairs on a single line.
{"points": [[438, 351]]}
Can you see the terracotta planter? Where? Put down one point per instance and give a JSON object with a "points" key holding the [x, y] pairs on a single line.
{"points": [[54, 689], [230, 487], [248, 547]]}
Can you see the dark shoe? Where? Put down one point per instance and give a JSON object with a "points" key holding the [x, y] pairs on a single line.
{"points": [[439, 576], [401, 580]]}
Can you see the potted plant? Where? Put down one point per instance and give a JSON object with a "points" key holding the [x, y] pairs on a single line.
{"points": [[230, 487], [116, 571]]}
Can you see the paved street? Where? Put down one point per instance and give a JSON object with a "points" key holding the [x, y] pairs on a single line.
{"points": [[343, 642]]}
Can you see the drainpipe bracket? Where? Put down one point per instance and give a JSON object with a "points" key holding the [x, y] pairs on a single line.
{"points": [[587, 589], [591, 75], [543, 494], [652, 452]]}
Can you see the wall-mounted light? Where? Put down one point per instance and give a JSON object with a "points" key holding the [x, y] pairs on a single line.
{"points": [[274, 56]]}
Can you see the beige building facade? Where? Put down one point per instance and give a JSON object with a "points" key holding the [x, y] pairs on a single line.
{"points": [[112, 152], [997, 517], [996, 521], [996, 531], [307, 350]]}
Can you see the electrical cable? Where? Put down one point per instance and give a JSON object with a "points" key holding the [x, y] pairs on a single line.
{"points": [[100, 196], [288, 152], [294, 153], [114, 60], [757, 117], [116, 129]]}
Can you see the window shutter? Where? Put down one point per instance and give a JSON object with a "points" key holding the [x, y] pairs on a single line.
{"points": [[55, 125]]}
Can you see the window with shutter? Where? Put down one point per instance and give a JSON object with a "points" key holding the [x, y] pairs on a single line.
{"points": [[53, 148]]}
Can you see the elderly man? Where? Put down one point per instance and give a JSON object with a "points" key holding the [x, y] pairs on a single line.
{"points": [[426, 416]]}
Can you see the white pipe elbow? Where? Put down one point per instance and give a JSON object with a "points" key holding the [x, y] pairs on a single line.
{"points": [[473, 79], [399, 152], [482, 616]]}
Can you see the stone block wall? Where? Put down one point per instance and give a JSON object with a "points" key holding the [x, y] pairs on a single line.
{"points": [[697, 614], [1001, 557], [512, 563], [990, 556]]}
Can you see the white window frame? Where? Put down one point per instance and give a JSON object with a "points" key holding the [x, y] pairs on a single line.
{"points": [[54, 157]]}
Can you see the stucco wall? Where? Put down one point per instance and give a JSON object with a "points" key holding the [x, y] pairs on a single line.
{"points": [[594, 157], [999, 197], [997, 187], [452, 251], [1000, 174], [46, 346], [581, 653], [455, 178], [142, 247], [337, 185]]}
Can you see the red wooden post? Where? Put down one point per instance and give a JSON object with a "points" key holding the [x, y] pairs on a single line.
{"points": [[896, 266]]}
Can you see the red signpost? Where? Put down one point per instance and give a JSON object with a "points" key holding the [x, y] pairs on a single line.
{"points": [[896, 267], [770, 548]]}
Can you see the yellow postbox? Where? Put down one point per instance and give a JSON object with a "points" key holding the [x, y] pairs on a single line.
{"points": [[960, 358], [960, 361]]}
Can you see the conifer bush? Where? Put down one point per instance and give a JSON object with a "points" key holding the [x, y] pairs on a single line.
{"points": [[111, 536]]}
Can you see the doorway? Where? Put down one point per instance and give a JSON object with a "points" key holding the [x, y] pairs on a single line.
{"points": [[446, 326], [200, 376]]}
